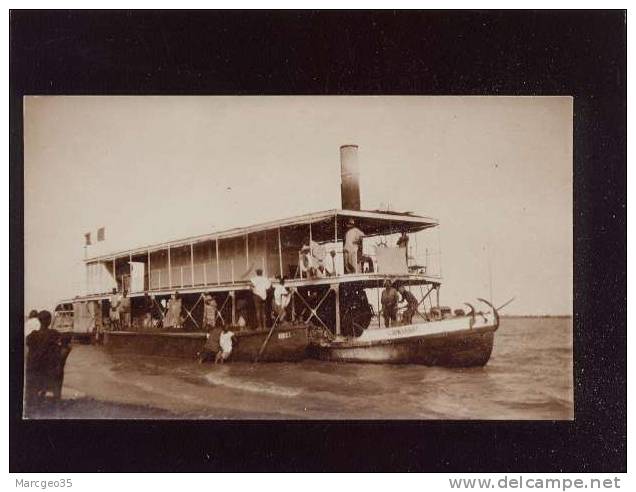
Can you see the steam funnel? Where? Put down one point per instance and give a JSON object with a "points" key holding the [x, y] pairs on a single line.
{"points": [[349, 177]]}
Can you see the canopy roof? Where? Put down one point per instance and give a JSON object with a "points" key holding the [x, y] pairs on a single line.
{"points": [[327, 226]]}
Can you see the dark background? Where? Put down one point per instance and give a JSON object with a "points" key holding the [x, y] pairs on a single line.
{"points": [[577, 53]]}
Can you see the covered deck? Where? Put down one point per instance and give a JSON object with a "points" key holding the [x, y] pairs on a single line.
{"points": [[226, 260], [306, 250]]}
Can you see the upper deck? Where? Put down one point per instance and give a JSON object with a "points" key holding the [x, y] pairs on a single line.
{"points": [[225, 260], [321, 227]]}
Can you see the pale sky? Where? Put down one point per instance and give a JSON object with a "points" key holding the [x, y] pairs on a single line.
{"points": [[496, 172]]}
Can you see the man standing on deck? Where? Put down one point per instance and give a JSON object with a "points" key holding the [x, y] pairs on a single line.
{"points": [[352, 246], [389, 302], [411, 305], [260, 286], [115, 302], [281, 300], [124, 309], [147, 312], [210, 311]]}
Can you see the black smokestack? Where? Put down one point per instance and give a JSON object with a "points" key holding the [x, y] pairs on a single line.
{"points": [[349, 177]]}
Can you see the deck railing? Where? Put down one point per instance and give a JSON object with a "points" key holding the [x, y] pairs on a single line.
{"points": [[206, 274]]}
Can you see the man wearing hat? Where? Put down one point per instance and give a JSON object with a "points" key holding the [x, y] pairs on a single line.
{"points": [[352, 244]]}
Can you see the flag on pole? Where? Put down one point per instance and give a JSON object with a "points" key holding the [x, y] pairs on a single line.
{"points": [[87, 239], [101, 233]]}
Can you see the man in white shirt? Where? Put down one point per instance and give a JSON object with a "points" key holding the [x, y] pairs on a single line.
{"points": [[32, 323], [115, 304], [225, 342], [281, 300], [352, 245], [260, 286]]}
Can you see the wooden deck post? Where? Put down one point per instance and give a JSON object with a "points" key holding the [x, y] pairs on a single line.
{"points": [[233, 294], [115, 272], [379, 306], [191, 264], [247, 251], [335, 231], [218, 271], [169, 269], [336, 289], [149, 275], [280, 255]]}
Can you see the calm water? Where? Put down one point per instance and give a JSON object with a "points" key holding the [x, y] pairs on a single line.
{"points": [[528, 377]]}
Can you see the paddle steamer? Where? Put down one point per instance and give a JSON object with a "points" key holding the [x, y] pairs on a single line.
{"points": [[333, 315]]}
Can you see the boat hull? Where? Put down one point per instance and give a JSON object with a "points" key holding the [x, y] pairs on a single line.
{"points": [[458, 350], [450, 343], [287, 343]]}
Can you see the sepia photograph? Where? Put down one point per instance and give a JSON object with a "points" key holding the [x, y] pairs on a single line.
{"points": [[298, 257], [317, 241]]}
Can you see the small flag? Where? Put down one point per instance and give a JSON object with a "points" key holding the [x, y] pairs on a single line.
{"points": [[101, 233], [87, 239]]}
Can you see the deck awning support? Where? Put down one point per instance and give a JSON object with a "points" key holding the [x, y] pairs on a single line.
{"points": [[218, 271], [149, 275], [100, 277], [233, 296], [335, 228], [247, 251], [191, 264], [88, 269], [377, 291], [280, 255], [169, 269]]}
